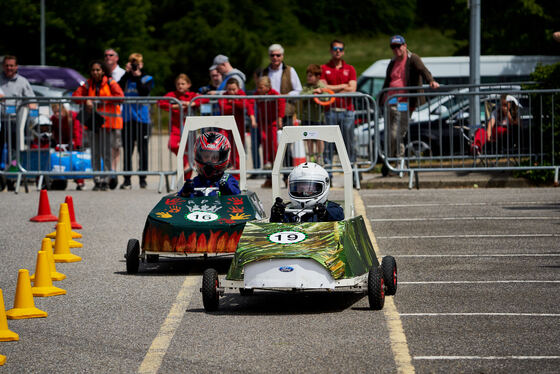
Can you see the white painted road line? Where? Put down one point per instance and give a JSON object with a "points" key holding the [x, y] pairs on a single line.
{"points": [[480, 314], [486, 357], [487, 255], [473, 218], [470, 236], [158, 349], [505, 203], [480, 282]]}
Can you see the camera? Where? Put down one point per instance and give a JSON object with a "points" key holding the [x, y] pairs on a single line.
{"points": [[134, 65]]}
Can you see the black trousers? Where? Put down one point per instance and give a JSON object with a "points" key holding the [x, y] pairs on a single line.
{"points": [[135, 133]]}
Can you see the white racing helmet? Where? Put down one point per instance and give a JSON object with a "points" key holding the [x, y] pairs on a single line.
{"points": [[309, 184]]}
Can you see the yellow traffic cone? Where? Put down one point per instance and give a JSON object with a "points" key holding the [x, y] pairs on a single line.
{"points": [[24, 306], [62, 247], [47, 247], [64, 217], [43, 284], [6, 335], [2, 360]]}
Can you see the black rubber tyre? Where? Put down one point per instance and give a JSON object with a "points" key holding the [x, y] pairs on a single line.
{"points": [[246, 291], [152, 258], [59, 184], [210, 295], [389, 269], [376, 291], [132, 256], [113, 182]]}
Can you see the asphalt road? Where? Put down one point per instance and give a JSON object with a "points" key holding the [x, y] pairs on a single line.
{"points": [[479, 285]]}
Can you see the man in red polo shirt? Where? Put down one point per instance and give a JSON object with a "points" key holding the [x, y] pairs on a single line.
{"points": [[340, 77]]}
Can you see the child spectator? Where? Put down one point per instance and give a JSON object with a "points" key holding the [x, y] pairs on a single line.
{"points": [[67, 130], [310, 113], [308, 190], [211, 159], [182, 93], [237, 107]]}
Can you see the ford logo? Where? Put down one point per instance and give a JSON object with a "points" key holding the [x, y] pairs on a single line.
{"points": [[286, 269]]}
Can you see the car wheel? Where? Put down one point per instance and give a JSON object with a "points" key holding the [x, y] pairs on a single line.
{"points": [[246, 291], [389, 269], [210, 295], [152, 258], [376, 291], [59, 184], [132, 256], [418, 148]]}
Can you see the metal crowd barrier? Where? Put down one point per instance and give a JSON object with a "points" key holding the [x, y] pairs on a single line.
{"points": [[43, 148], [438, 136]]}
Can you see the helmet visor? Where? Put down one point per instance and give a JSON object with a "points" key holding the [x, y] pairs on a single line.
{"points": [[211, 157], [306, 189]]}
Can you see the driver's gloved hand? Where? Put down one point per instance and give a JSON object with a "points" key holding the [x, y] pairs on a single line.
{"points": [[277, 211], [321, 211], [188, 188], [222, 184]]}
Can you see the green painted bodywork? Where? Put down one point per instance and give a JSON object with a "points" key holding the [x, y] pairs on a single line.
{"points": [[343, 247]]}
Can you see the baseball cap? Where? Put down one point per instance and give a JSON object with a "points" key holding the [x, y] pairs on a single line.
{"points": [[397, 39], [219, 59]]}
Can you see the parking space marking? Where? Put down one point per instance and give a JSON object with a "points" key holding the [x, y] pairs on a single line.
{"points": [[505, 203], [470, 236], [153, 359], [486, 357], [480, 282], [399, 344], [480, 314], [473, 218]]}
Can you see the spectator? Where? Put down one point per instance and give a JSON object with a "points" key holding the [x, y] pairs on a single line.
{"points": [[237, 107], [285, 80], [310, 113], [215, 81], [67, 130], [112, 62], [269, 119], [340, 77], [182, 93], [222, 64], [137, 125], [499, 124], [405, 69], [12, 84], [104, 113]]}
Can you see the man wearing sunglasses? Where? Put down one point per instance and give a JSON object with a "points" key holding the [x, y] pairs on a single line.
{"points": [[405, 69], [111, 58], [340, 77]]}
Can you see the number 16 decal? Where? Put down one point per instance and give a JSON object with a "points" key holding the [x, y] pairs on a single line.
{"points": [[287, 237]]}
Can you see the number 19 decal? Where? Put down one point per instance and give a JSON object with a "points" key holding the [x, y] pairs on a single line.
{"points": [[287, 237], [202, 216]]}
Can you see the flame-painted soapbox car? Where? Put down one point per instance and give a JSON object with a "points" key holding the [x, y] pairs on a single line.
{"points": [[198, 226], [306, 256]]}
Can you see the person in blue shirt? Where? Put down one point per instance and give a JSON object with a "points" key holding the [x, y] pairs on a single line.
{"points": [[309, 186], [211, 156]]}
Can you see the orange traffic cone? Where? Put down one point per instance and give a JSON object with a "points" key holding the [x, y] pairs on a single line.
{"points": [[2, 360], [43, 284], [64, 217], [6, 335], [75, 225], [46, 246], [44, 214], [62, 246], [24, 306]]}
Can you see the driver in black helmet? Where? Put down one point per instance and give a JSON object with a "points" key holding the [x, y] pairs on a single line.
{"points": [[211, 157]]}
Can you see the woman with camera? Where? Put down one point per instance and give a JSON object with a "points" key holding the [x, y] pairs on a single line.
{"points": [[136, 117]]}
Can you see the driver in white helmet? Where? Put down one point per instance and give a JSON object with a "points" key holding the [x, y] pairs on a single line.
{"points": [[309, 187]]}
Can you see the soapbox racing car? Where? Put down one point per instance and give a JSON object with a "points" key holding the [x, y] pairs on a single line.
{"points": [[306, 256], [198, 226]]}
